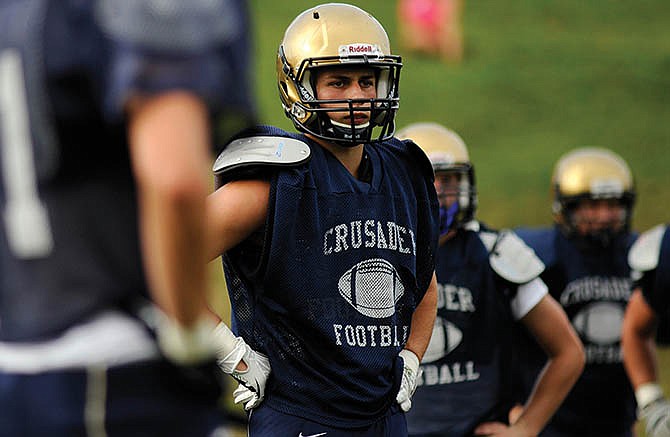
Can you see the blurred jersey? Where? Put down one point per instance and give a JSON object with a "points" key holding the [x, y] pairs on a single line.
{"points": [[70, 263], [69, 242], [328, 289], [655, 282], [592, 283], [466, 366]]}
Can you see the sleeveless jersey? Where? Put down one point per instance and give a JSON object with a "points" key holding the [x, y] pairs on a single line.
{"points": [[655, 285], [464, 368], [343, 265], [68, 235], [593, 286]]}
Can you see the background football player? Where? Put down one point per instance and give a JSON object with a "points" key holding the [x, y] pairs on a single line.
{"points": [[105, 114], [328, 236], [585, 254], [487, 281], [647, 318]]}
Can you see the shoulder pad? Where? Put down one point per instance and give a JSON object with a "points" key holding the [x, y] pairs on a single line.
{"points": [[261, 151], [510, 257], [421, 157], [643, 255]]}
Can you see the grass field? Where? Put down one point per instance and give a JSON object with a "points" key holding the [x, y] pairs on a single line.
{"points": [[539, 77]]}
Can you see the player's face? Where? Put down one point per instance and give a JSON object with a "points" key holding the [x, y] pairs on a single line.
{"points": [[344, 84], [597, 215], [447, 185]]}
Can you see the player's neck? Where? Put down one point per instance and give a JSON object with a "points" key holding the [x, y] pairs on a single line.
{"points": [[350, 157]]}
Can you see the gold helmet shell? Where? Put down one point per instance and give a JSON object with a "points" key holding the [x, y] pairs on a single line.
{"points": [[330, 35], [444, 147], [590, 173], [447, 153]]}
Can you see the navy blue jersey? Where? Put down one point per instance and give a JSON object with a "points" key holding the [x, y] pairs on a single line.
{"points": [[464, 368], [593, 286], [655, 286], [343, 264], [68, 239]]}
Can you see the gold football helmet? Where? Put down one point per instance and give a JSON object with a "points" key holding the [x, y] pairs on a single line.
{"points": [[330, 35], [448, 154], [590, 173]]}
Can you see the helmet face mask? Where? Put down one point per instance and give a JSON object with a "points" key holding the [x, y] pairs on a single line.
{"points": [[594, 195], [454, 173], [456, 193], [337, 36]]}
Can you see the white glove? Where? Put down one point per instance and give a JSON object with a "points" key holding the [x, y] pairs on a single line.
{"points": [[657, 418], [410, 375], [654, 409], [254, 378]]}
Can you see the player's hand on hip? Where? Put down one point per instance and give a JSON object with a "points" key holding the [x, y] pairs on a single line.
{"points": [[250, 368], [410, 375], [656, 415]]}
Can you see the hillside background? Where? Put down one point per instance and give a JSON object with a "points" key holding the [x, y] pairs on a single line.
{"points": [[539, 78]]}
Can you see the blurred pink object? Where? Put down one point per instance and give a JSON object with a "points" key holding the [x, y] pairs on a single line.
{"points": [[432, 26]]}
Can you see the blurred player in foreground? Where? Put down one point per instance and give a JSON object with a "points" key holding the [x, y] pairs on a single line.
{"points": [[587, 272], [487, 281], [647, 317], [105, 111], [329, 236]]}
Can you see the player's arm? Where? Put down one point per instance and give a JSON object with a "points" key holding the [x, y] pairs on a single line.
{"points": [[565, 361], [169, 147], [421, 329], [637, 341], [639, 356], [423, 320], [234, 211]]}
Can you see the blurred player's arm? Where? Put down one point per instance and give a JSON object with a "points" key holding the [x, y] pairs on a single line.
{"points": [[169, 146], [552, 330], [639, 356], [637, 341], [417, 343], [169, 139]]}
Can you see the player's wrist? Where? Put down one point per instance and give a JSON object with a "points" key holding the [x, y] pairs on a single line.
{"points": [[648, 393], [410, 359], [186, 345]]}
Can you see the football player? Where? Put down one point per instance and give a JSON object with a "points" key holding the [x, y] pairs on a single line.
{"points": [[328, 236], [585, 254], [105, 109], [487, 281], [646, 318]]}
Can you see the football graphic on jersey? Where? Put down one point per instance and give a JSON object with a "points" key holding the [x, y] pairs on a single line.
{"points": [[600, 322], [446, 337], [372, 287]]}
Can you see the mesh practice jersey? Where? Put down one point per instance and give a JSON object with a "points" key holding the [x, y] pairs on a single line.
{"points": [[329, 292], [593, 286], [466, 366]]}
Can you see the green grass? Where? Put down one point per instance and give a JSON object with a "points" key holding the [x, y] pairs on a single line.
{"points": [[539, 78]]}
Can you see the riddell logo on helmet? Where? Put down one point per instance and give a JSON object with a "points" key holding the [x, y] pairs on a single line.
{"points": [[360, 49]]}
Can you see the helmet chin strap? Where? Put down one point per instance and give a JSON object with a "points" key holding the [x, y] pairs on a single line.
{"points": [[447, 217], [349, 137]]}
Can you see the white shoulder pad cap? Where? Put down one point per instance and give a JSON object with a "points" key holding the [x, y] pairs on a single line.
{"points": [[261, 150], [510, 257], [643, 255]]}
